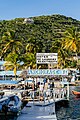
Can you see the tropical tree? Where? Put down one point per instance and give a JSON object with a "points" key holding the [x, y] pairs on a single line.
{"points": [[12, 63], [10, 43], [58, 47], [72, 40], [29, 61]]}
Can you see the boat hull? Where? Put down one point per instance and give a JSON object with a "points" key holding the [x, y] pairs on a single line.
{"points": [[16, 107], [11, 104], [76, 93]]}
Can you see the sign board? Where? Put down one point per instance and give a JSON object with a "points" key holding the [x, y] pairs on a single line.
{"points": [[46, 58], [36, 72]]}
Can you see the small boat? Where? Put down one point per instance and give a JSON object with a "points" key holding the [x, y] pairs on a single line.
{"points": [[10, 104], [76, 93], [14, 104], [3, 102]]}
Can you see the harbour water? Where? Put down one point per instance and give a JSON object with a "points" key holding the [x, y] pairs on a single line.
{"points": [[69, 112], [72, 111]]}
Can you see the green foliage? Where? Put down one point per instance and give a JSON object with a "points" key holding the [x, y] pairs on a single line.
{"points": [[12, 62], [45, 34]]}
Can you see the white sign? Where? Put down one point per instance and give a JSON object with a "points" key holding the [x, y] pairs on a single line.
{"points": [[47, 72], [46, 58]]}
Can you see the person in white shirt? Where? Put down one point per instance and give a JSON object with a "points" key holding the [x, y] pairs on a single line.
{"points": [[41, 86]]}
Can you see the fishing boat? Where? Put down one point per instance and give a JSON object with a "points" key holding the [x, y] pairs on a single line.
{"points": [[76, 93]]}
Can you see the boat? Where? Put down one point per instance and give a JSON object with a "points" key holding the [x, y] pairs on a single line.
{"points": [[76, 93], [10, 104], [2, 103], [14, 104]]}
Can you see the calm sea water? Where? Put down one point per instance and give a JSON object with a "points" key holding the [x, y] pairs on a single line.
{"points": [[70, 112]]}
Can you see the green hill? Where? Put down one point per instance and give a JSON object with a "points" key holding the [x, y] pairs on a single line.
{"points": [[38, 34], [41, 32]]}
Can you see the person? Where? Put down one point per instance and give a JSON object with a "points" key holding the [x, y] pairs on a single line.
{"points": [[41, 87]]}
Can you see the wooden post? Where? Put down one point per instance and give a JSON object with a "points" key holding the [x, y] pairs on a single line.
{"points": [[68, 91]]}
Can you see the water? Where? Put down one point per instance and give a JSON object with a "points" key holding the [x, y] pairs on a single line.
{"points": [[70, 112]]}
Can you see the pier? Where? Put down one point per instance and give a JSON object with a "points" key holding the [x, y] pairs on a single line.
{"points": [[32, 112], [38, 109]]}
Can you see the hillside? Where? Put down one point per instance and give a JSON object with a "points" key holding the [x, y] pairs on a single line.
{"points": [[41, 31]]}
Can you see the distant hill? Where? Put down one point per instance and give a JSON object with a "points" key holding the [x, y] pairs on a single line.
{"points": [[41, 30]]}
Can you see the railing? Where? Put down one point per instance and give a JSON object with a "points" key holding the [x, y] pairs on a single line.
{"points": [[55, 94]]}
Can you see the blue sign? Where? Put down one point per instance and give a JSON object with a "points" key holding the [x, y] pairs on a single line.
{"points": [[47, 72]]}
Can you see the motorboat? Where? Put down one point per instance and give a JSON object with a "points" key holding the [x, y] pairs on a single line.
{"points": [[10, 104], [3, 102], [14, 104], [76, 93]]}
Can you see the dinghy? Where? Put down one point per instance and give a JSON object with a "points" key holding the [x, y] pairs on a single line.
{"points": [[10, 104], [14, 104]]}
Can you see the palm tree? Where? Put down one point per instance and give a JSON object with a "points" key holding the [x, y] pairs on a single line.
{"points": [[72, 40], [58, 47], [10, 43], [29, 60], [12, 63]]}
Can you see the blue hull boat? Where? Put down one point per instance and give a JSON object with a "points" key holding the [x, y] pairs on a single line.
{"points": [[14, 104], [3, 101], [10, 104]]}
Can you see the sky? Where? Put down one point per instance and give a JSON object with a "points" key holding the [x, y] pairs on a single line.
{"points": [[11, 9]]}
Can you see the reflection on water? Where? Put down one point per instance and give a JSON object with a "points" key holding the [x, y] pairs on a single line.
{"points": [[70, 112]]}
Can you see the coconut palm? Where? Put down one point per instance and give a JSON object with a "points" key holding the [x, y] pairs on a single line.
{"points": [[29, 60], [10, 43], [58, 47], [12, 63], [30, 55], [72, 40]]}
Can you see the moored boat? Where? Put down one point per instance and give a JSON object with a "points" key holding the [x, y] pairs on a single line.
{"points": [[76, 93], [10, 105], [3, 102], [14, 104]]}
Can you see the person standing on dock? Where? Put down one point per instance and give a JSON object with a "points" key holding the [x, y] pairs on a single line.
{"points": [[41, 88]]}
